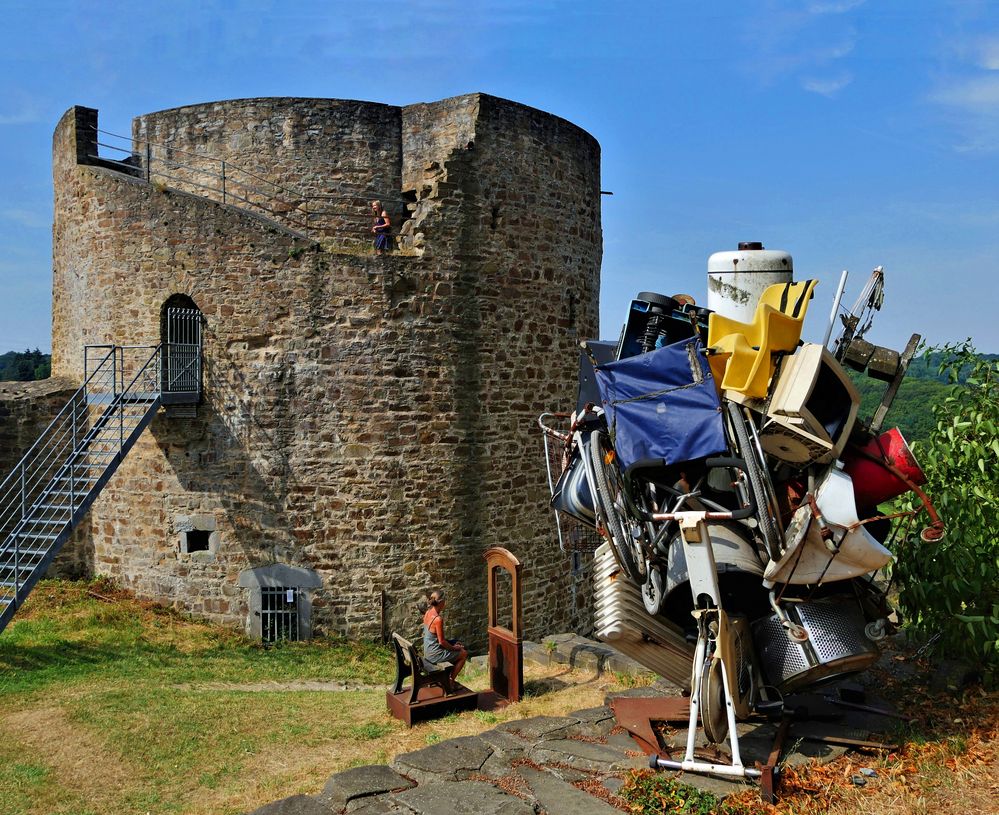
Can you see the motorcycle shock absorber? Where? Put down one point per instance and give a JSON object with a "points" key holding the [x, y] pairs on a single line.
{"points": [[655, 328]]}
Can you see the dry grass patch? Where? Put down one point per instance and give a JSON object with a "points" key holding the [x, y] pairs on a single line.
{"points": [[74, 769], [111, 705]]}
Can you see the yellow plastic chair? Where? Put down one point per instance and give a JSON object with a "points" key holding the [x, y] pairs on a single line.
{"points": [[741, 354]]}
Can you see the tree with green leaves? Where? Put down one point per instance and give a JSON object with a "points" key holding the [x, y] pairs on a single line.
{"points": [[949, 589]]}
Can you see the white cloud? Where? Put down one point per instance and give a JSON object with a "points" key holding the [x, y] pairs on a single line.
{"points": [[988, 54], [808, 45], [976, 95], [828, 86], [839, 7], [967, 95]]}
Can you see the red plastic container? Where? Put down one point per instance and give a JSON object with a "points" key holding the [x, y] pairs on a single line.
{"points": [[873, 483]]}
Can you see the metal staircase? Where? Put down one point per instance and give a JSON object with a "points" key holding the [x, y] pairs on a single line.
{"points": [[52, 487]]}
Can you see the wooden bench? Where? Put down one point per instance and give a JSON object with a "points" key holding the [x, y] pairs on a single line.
{"points": [[425, 674]]}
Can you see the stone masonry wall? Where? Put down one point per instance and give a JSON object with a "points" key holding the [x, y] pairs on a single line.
{"points": [[314, 162], [370, 418]]}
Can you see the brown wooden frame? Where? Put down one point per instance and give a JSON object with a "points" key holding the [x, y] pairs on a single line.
{"points": [[506, 646]]}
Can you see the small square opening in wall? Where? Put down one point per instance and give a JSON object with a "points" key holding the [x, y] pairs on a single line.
{"points": [[198, 540], [197, 535]]}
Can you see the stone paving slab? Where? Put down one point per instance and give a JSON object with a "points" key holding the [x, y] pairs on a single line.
{"points": [[379, 805], [556, 796], [536, 654], [584, 755], [592, 714], [660, 688], [451, 760], [594, 722], [294, 805], [505, 743], [462, 798], [568, 774], [539, 727], [449, 776], [591, 730], [362, 782], [613, 784], [497, 766], [622, 741]]}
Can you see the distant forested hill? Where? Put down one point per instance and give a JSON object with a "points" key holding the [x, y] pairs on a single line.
{"points": [[25, 366], [912, 410]]}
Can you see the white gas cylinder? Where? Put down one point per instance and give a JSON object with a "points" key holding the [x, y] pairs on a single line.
{"points": [[737, 279]]}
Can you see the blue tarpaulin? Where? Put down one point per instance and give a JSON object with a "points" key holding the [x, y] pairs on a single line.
{"points": [[662, 405]]}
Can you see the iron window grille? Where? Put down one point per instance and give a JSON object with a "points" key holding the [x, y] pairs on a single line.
{"points": [[279, 614]]}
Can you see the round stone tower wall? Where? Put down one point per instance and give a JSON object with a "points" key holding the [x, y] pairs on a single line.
{"points": [[313, 164], [370, 420]]}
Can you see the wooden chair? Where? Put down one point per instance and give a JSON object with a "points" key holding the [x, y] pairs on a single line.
{"points": [[425, 674]]}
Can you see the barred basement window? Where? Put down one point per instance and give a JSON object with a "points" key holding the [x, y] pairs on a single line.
{"points": [[278, 613], [279, 601]]}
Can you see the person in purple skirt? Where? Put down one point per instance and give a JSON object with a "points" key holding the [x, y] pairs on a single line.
{"points": [[382, 228]]}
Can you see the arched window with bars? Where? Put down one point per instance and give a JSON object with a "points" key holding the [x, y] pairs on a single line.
{"points": [[181, 323]]}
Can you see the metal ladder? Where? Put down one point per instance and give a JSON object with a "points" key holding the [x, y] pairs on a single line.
{"points": [[50, 490]]}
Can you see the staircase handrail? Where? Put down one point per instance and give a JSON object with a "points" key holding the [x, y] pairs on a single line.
{"points": [[58, 444], [36, 518], [80, 392]]}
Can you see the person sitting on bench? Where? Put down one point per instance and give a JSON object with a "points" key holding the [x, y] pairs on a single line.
{"points": [[435, 647]]}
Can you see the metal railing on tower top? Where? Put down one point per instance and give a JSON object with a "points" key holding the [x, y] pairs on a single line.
{"points": [[343, 213]]}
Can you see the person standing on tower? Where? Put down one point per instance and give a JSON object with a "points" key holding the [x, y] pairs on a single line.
{"points": [[382, 228]]}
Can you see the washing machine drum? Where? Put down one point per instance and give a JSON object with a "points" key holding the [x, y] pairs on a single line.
{"points": [[836, 643]]}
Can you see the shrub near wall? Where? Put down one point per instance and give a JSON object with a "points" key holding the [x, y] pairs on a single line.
{"points": [[950, 588]]}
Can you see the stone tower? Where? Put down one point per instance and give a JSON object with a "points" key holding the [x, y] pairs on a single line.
{"points": [[367, 427]]}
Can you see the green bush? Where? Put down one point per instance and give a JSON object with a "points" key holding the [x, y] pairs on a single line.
{"points": [[950, 588], [650, 793]]}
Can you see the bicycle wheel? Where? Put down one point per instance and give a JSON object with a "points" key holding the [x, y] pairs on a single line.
{"points": [[759, 483], [610, 498]]}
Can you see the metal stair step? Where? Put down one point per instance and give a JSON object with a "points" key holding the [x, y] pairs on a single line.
{"points": [[40, 525], [43, 536], [22, 553], [27, 562]]}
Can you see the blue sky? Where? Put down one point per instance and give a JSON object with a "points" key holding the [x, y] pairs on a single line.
{"points": [[850, 133]]}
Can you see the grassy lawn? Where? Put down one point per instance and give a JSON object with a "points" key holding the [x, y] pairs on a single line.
{"points": [[118, 706], [110, 705]]}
